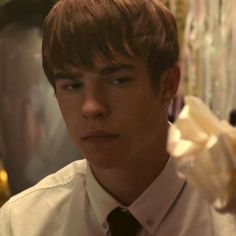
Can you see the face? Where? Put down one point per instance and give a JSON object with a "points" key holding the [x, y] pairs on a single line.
{"points": [[113, 113]]}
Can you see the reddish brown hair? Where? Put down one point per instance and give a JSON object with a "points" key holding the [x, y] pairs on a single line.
{"points": [[78, 31]]}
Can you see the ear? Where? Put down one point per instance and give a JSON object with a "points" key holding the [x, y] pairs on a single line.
{"points": [[169, 84]]}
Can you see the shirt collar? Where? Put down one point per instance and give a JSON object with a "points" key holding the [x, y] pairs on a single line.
{"points": [[101, 201], [153, 204], [149, 209]]}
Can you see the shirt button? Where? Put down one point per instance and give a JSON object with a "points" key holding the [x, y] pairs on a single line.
{"points": [[150, 222], [104, 225]]}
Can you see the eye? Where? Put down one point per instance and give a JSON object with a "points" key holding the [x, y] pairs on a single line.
{"points": [[72, 86], [119, 81]]}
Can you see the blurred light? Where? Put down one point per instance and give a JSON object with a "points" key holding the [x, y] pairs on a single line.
{"points": [[3, 177], [3, 2]]}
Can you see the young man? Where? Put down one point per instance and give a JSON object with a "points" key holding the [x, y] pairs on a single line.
{"points": [[112, 64]]}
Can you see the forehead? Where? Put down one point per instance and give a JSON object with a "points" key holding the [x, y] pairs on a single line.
{"points": [[104, 68]]}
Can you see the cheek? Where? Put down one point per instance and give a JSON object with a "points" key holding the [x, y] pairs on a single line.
{"points": [[143, 116], [70, 114], [142, 128]]}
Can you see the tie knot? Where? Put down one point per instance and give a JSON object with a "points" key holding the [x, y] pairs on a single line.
{"points": [[122, 223]]}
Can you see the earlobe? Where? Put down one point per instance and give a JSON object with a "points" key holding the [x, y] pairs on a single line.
{"points": [[169, 84]]}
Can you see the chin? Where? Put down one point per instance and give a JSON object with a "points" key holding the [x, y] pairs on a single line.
{"points": [[103, 161]]}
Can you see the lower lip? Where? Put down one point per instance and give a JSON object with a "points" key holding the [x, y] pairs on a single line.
{"points": [[100, 139]]}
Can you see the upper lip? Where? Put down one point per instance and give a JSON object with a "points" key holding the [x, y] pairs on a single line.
{"points": [[98, 133]]}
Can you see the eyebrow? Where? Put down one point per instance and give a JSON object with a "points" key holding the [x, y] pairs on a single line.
{"points": [[104, 71], [115, 68], [64, 75]]}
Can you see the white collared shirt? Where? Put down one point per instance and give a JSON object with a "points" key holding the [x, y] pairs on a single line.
{"points": [[72, 203]]}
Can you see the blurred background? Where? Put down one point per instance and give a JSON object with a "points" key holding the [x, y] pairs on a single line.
{"points": [[33, 138]]}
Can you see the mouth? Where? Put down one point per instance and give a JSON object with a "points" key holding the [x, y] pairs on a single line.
{"points": [[99, 136]]}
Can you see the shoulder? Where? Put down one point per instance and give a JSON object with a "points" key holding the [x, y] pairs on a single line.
{"points": [[45, 197], [200, 215], [59, 180]]}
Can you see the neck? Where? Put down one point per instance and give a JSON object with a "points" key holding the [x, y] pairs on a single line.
{"points": [[126, 183]]}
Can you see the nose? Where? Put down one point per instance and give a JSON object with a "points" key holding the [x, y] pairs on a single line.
{"points": [[94, 105]]}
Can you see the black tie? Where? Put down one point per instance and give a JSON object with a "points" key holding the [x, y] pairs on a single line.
{"points": [[122, 223]]}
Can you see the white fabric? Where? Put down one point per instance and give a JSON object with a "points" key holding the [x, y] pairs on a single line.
{"points": [[72, 203], [207, 145]]}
